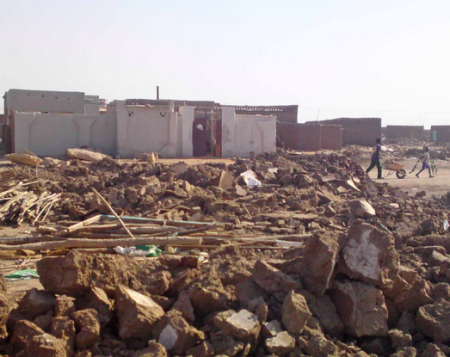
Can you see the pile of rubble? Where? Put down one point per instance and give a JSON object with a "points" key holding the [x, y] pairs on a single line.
{"points": [[364, 268]]}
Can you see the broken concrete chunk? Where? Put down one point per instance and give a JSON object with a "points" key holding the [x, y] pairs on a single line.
{"points": [[44, 321], [319, 346], [273, 280], [183, 304], [24, 159], [83, 154], [88, 327], [64, 306], [295, 313], [227, 346], [175, 334], [242, 325], [36, 303], [369, 255], [325, 310], [399, 339], [361, 307], [271, 329], [361, 209], [24, 332], [316, 268], [75, 273], [64, 328], [281, 344], [433, 320], [98, 300], [412, 299], [46, 346], [138, 314]]}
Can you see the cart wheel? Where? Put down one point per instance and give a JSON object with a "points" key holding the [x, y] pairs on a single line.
{"points": [[401, 174]]}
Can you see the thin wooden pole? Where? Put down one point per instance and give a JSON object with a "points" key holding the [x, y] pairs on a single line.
{"points": [[113, 212]]}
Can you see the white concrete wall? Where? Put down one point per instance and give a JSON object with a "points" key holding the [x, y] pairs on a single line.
{"points": [[146, 129], [186, 121], [44, 101], [92, 104], [254, 133], [228, 121], [52, 134]]}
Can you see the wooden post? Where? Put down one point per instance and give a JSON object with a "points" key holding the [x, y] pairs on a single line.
{"points": [[113, 212]]}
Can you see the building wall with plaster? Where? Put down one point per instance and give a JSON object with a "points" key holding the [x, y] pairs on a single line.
{"points": [[404, 131], [242, 134], [20, 100], [52, 134]]}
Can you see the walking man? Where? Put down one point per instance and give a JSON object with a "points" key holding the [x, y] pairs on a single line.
{"points": [[425, 162], [375, 159]]}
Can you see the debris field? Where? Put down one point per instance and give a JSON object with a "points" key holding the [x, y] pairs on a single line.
{"points": [[283, 255]]}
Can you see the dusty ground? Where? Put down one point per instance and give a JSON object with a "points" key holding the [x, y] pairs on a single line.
{"points": [[438, 185]]}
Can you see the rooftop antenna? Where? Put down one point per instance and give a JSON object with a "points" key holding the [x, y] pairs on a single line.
{"points": [[317, 119], [157, 92]]}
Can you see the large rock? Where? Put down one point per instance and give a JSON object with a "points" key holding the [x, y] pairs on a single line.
{"points": [[46, 346], [76, 273], [418, 295], [242, 325], [207, 294], [273, 280], [400, 338], [317, 266], [98, 300], [84, 154], [138, 314], [36, 303], [369, 255], [64, 306], [175, 334], [64, 328], [281, 344], [361, 307], [295, 313], [23, 334], [433, 320], [361, 209], [325, 310], [88, 325]]}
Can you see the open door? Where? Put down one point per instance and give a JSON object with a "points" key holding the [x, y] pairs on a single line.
{"points": [[200, 136]]}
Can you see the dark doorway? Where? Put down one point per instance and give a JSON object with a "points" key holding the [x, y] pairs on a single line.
{"points": [[200, 136]]}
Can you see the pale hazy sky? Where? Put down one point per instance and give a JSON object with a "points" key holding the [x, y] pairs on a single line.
{"points": [[379, 58]]}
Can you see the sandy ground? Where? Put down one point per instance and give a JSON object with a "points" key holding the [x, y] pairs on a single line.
{"points": [[437, 186]]}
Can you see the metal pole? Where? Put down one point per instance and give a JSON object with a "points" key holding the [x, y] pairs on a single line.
{"points": [[157, 92]]}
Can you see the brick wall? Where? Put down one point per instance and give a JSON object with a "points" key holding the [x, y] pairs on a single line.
{"points": [[404, 131], [440, 133], [301, 137], [331, 137], [359, 131]]}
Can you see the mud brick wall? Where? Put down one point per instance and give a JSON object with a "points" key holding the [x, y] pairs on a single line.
{"points": [[300, 137], [357, 131], [440, 133], [331, 137], [404, 131]]}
